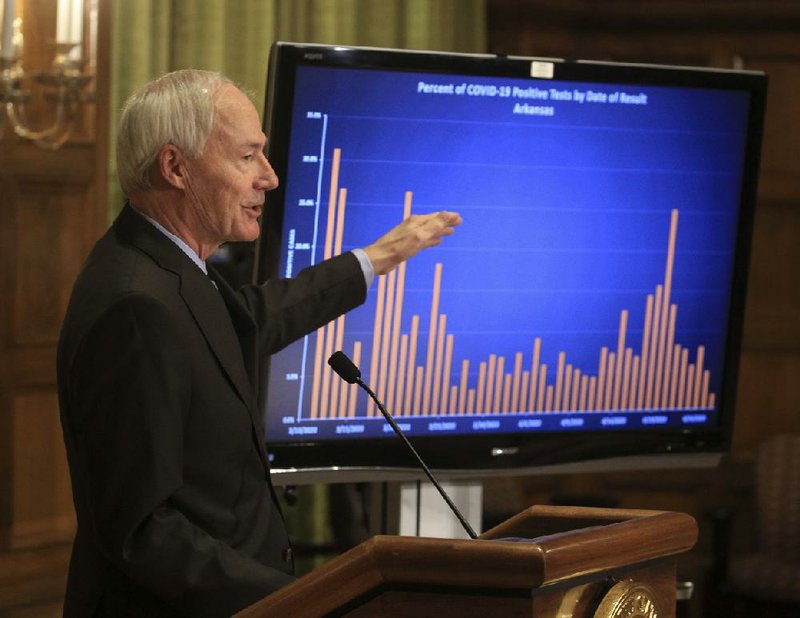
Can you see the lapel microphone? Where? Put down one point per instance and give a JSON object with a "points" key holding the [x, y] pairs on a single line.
{"points": [[347, 370]]}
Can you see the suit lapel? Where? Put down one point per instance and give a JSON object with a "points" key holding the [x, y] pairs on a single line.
{"points": [[213, 319], [222, 319]]}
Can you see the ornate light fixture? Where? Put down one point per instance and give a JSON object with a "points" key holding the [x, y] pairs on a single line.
{"points": [[65, 83]]}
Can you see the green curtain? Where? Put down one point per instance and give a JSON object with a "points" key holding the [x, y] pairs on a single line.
{"points": [[152, 37]]}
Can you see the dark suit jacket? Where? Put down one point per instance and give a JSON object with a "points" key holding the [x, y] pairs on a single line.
{"points": [[156, 374]]}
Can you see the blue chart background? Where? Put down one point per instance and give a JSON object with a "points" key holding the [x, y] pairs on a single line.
{"points": [[566, 217]]}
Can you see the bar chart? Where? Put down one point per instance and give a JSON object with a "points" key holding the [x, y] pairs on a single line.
{"points": [[418, 372]]}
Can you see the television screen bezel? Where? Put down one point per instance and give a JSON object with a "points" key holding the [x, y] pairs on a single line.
{"points": [[489, 454]]}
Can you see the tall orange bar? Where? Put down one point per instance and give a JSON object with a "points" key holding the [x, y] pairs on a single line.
{"points": [[427, 387], [623, 327], [386, 336], [376, 341], [662, 343]]}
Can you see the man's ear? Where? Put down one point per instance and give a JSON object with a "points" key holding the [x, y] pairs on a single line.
{"points": [[171, 166]]}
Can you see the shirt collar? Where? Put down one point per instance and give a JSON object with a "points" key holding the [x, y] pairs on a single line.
{"points": [[178, 241]]}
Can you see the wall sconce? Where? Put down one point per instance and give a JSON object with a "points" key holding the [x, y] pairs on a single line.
{"points": [[65, 83]]}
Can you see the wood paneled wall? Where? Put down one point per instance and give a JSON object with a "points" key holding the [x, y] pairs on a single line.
{"points": [[52, 209]]}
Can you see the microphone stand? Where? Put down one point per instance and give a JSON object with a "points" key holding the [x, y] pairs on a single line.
{"points": [[399, 432]]}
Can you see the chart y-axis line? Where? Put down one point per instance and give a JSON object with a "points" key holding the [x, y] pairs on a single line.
{"points": [[322, 140]]}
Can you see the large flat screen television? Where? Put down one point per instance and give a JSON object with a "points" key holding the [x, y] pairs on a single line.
{"points": [[589, 308]]}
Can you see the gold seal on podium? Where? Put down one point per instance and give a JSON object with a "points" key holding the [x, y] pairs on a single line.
{"points": [[629, 599]]}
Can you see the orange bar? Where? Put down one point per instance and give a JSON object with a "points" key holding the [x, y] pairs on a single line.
{"points": [[337, 408], [462, 397], [490, 379], [506, 405], [548, 398], [437, 284], [517, 382], [391, 288], [330, 332], [704, 390], [651, 361], [453, 399], [537, 348], [376, 342], [690, 374], [682, 378], [626, 381], [401, 375], [353, 388], [480, 401], [337, 245], [673, 386], [497, 404], [601, 379], [584, 392], [418, 391], [662, 342], [592, 405], [612, 362], [541, 387], [397, 315], [669, 344], [623, 328], [698, 378], [634, 383], [437, 366], [315, 382], [471, 401], [526, 384], [562, 356], [329, 228], [648, 325], [712, 400], [566, 403], [412, 359], [448, 364]]}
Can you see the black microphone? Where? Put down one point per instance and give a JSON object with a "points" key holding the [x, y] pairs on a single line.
{"points": [[347, 370]]}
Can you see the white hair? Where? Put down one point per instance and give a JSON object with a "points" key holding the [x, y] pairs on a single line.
{"points": [[177, 108]]}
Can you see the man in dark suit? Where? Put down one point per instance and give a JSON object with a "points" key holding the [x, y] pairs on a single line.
{"points": [[158, 363]]}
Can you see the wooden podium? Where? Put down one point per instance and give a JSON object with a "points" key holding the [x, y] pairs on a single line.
{"points": [[563, 562]]}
